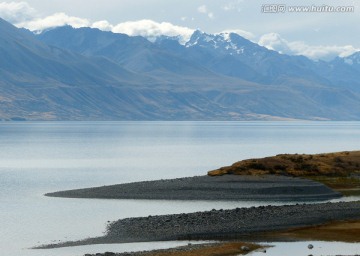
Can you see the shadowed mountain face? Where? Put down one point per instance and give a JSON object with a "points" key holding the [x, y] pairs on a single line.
{"points": [[45, 82], [88, 74]]}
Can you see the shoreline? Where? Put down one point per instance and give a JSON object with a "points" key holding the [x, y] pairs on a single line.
{"points": [[239, 223], [221, 188], [208, 249]]}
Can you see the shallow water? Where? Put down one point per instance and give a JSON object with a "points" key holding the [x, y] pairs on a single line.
{"points": [[301, 249], [41, 157]]}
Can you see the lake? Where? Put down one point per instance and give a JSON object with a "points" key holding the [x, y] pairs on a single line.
{"points": [[41, 157]]}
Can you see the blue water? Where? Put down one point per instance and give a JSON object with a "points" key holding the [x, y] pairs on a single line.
{"points": [[41, 157]]}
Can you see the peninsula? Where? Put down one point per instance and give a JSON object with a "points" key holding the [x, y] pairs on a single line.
{"points": [[296, 177], [283, 177]]}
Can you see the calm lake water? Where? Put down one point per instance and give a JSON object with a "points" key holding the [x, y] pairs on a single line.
{"points": [[41, 157]]}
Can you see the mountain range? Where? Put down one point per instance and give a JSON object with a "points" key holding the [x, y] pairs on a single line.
{"points": [[88, 74]]}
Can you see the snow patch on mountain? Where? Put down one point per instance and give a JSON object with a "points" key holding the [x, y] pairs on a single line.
{"points": [[228, 42]]}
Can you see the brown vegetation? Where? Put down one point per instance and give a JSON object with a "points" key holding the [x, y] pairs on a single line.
{"points": [[340, 231], [348, 186], [340, 164], [221, 249], [335, 170]]}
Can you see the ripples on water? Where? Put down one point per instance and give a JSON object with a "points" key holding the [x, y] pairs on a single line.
{"points": [[42, 157]]}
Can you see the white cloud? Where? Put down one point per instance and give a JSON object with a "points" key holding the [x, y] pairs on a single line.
{"points": [[55, 20], [233, 5], [23, 15], [187, 18], [275, 42], [146, 28], [151, 29], [203, 9], [103, 25], [15, 12], [243, 33], [322, 52]]}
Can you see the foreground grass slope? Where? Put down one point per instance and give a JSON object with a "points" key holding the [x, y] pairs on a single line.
{"points": [[340, 170]]}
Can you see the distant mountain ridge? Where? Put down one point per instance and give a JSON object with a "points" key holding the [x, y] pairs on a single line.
{"points": [[88, 74]]}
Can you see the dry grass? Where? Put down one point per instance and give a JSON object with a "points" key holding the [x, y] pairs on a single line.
{"points": [[340, 231], [348, 186], [340, 164], [221, 249]]}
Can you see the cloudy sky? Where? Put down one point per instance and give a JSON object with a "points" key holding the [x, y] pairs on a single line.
{"points": [[314, 34]]}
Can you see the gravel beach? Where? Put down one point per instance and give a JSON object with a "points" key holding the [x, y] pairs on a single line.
{"points": [[217, 224], [227, 187], [222, 224]]}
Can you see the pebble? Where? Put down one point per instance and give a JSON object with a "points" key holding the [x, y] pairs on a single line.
{"points": [[219, 223], [245, 248]]}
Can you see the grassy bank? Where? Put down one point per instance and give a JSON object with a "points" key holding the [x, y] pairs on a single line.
{"points": [[221, 249], [340, 171], [348, 186], [212, 249], [335, 231]]}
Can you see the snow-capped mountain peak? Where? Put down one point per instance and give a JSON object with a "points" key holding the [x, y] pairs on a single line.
{"points": [[230, 43]]}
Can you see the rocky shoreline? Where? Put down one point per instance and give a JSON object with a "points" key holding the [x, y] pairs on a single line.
{"points": [[221, 224], [227, 187]]}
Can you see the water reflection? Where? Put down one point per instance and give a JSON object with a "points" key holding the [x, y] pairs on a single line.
{"points": [[301, 249]]}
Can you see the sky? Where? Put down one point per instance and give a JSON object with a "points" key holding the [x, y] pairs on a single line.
{"points": [[319, 34]]}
